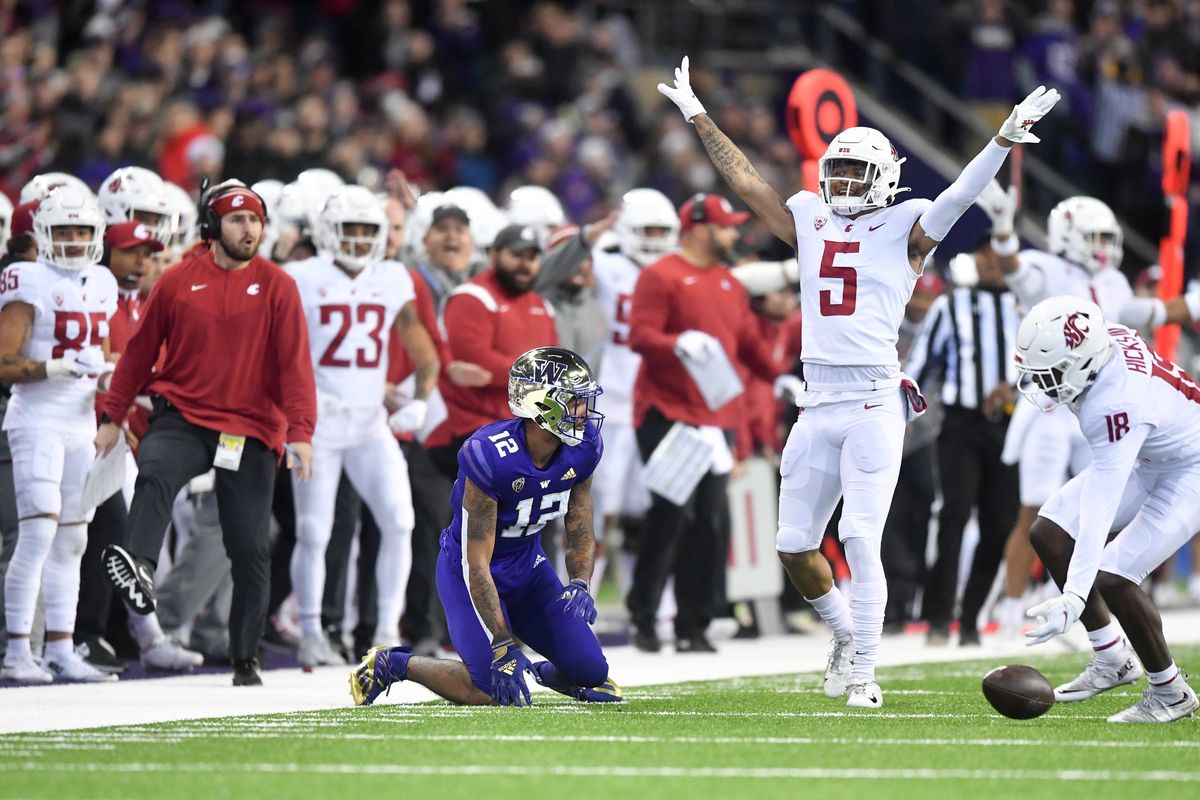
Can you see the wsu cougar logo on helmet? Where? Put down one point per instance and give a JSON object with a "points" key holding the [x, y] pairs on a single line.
{"points": [[1075, 330]]}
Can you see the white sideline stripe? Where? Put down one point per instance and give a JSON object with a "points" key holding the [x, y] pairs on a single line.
{"points": [[770, 773], [103, 741]]}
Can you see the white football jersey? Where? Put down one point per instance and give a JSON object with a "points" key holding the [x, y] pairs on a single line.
{"points": [[1108, 288], [616, 275], [1137, 386], [855, 280], [71, 311], [349, 321]]}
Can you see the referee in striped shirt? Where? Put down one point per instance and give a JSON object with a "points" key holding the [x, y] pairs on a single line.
{"points": [[967, 340]]}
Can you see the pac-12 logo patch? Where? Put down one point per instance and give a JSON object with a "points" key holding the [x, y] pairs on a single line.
{"points": [[518, 484], [819, 223]]}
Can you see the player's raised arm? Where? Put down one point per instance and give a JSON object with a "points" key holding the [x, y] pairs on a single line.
{"points": [[731, 162], [580, 550], [939, 218]]}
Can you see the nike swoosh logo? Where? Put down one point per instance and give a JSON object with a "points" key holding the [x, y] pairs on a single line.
{"points": [[1183, 698], [869, 406], [876, 227], [198, 286]]}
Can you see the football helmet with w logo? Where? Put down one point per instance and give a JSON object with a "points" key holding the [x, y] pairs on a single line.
{"points": [[1061, 345], [556, 389]]}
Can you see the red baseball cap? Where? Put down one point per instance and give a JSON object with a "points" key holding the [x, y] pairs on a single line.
{"points": [[126, 235], [22, 218], [709, 209]]}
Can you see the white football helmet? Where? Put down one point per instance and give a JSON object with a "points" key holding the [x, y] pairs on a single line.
{"points": [[299, 206], [1061, 345], [184, 231], [420, 217], [535, 207], [324, 182], [6, 215], [879, 175], [348, 205], [269, 190], [41, 185], [66, 206], [137, 193], [486, 219], [1084, 231], [642, 209]]}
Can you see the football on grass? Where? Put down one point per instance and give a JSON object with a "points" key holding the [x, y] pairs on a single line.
{"points": [[1018, 691]]}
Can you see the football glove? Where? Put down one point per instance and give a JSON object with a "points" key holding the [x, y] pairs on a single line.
{"points": [[1057, 614], [1026, 113], [410, 417], [681, 93], [508, 675], [788, 387], [1000, 206], [696, 346], [578, 601]]}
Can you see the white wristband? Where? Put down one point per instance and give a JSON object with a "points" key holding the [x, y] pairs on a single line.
{"points": [[1193, 305], [1008, 246]]}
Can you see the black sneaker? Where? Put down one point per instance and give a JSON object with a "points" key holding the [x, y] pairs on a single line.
{"points": [[696, 644], [245, 673], [133, 578], [100, 654], [968, 637], [646, 640]]}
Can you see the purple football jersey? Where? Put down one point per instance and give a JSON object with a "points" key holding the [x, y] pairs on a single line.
{"points": [[496, 459]]}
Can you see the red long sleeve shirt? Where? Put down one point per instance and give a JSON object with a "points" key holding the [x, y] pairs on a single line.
{"points": [[673, 296], [487, 325], [237, 355], [400, 364]]}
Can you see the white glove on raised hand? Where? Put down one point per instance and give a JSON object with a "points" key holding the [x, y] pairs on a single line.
{"points": [[409, 418], [788, 387], [681, 93], [696, 346], [1058, 614], [1028, 111], [1000, 205]]}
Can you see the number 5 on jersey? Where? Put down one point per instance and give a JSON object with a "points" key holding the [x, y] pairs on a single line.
{"points": [[847, 275]]}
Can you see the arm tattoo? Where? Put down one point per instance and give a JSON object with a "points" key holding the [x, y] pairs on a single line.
{"points": [[730, 161], [18, 369], [580, 540], [481, 528]]}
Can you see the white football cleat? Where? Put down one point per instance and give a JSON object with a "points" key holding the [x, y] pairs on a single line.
{"points": [[1098, 676], [24, 670], [71, 668], [168, 654], [864, 695], [1166, 703], [837, 671], [315, 651]]}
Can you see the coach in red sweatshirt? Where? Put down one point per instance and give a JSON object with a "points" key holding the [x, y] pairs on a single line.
{"points": [[689, 306], [235, 384]]}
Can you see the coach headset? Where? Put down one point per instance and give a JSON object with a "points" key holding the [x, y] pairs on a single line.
{"points": [[210, 222], [699, 214]]}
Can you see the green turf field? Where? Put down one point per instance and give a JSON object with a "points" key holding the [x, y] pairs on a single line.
{"points": [[774, 737]]}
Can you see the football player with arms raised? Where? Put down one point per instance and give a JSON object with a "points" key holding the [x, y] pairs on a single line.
{"points": [[860, 256], [495, 582], [1140, 413]]}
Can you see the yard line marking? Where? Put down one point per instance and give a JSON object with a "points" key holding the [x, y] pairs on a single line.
{"points": [[104, 742], [767, 773]]}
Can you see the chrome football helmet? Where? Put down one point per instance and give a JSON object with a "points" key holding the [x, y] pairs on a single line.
{"points": [[556, 389]]}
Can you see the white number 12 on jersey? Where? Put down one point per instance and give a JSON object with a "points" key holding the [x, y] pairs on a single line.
{"points": [[552, 507]]}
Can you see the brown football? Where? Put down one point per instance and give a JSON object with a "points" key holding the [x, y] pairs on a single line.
{"points": [[1018, 691]]}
